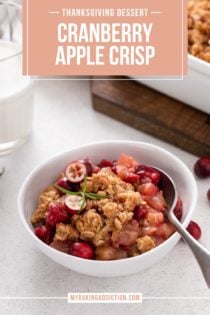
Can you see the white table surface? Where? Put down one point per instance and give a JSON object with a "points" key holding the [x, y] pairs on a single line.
{"points": [[64, 118]]}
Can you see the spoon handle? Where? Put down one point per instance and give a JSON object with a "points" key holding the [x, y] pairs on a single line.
{"points": [[201, 254]]}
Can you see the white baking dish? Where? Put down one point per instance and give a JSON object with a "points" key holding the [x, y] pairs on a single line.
{"points": [[194, 90]]}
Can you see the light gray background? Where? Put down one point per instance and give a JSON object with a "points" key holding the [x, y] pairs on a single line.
{"points": [[64, 118]]}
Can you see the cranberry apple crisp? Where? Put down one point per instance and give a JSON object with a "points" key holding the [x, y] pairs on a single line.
{"points": [[110, 211], [199, 29]]}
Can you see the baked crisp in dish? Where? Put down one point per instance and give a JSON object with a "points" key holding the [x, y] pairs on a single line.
{"points": [[110, 211], [199, 29]]}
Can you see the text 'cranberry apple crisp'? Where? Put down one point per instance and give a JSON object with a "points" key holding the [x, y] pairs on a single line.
{"points": [[108, 211]]}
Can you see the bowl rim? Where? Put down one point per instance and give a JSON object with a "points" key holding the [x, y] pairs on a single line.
{"points": [[174, 237]]}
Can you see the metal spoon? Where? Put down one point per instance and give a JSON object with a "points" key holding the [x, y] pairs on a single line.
{"points": [[201, 254]]}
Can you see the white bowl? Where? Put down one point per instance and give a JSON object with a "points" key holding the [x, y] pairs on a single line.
{"points": [[146, 153], [192, 90]]}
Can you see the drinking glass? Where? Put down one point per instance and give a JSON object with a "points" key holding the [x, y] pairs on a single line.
{"points": [[16, 90]]}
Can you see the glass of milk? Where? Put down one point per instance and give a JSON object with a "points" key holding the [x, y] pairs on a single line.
{"points": [[16, 90]]}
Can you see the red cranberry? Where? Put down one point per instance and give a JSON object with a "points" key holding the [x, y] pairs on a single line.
{"points": [[88, 165], [114, 169], [64, 183], [76, 171], [44, 233], [74, 204], [56, 214], [146, 171], [105, 163], [82, 250], [139, 212], [208, 195], [178, 209], [75, 187], [202, 167], [131, 178], [96, 169], [194, 229]]}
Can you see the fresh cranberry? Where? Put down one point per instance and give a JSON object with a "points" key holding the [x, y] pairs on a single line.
{"points": [[131, 178], [44, 233], [114, 169], [64, 183], [74, 204], [202, 167], [105, 163], [88, 165], [96, 169], [139, 212], [194, 229], [208, 195], [75, 187], [76, 171], [146, 171], [56, 214], [82, 250], [178, 209]]}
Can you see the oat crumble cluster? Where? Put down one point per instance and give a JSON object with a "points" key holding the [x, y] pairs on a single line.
{"points": [[114, 210], [199, 29]]}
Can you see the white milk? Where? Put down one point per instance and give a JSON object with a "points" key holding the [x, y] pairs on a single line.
{"points": [[16, 98]]}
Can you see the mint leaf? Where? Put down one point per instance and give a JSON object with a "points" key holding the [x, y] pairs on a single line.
{"points": [[68, 192]]}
